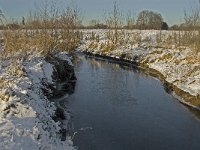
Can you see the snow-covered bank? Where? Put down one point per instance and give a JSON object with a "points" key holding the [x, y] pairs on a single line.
{"points": [[26, 118], [178, 67]]}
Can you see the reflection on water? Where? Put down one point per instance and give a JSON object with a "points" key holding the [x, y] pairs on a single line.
{"points": [[117, 107]]}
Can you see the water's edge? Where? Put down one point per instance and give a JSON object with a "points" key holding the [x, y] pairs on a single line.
{"points": [[118, 106], [64, 81], [182, 96]]}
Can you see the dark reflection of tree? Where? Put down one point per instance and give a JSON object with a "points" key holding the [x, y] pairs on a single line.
{"points": [[112, 78], [77, 61], [194, 111]]}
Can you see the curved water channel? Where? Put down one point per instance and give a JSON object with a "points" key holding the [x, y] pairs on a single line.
{"points": [[121, 108]]}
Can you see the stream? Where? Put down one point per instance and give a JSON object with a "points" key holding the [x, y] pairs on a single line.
{"points": [[116, 107]]}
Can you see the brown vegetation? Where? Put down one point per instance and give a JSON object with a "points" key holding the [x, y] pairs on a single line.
{"points": [[45, 30]]}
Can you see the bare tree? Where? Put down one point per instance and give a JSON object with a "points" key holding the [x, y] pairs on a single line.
{"points": [[149, 20], [130, 20], [94, 23], [192, 22], [2, 17], [114, 21], [192, 19]]}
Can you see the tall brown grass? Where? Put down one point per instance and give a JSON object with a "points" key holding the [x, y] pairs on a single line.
{"points": [[45, 30]]}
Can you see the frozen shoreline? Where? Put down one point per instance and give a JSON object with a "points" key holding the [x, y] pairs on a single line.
{"points": [[26, 118], [178, 68]]}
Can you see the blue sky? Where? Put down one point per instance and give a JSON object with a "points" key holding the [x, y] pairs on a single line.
{"points": [[171, 10]]}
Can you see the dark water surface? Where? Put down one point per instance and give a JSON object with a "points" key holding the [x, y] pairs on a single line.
{"points": [[121, 108]]}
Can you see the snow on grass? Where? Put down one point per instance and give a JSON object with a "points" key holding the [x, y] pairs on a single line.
{"points": [[179, 65], [26, 114], [64, 56]]}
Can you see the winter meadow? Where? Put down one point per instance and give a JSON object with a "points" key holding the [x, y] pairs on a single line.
{"points": [[124, 80]]}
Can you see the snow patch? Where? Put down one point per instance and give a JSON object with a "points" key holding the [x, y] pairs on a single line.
{"points": [[26, 114]]}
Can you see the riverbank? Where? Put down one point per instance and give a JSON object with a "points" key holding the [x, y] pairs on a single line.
{"points": [[28, 119], [177, 67]]}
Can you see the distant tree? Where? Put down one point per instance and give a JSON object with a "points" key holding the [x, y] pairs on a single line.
{"points": [[130, 21], [101, 26], [2, 27], [192, 23], [13, 26], [114, 21], [192, 19], [23, 21], [93, 23], [164, 26], [2, 17], [174, 27], [149, 20]]}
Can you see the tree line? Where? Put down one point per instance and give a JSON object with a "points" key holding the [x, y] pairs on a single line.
{"points": [[145, 20], [52, 18], [115, 19]]}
